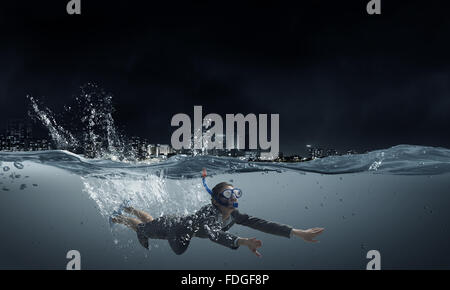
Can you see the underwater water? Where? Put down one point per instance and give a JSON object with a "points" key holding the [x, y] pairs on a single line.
{"points": [[395, 201]]}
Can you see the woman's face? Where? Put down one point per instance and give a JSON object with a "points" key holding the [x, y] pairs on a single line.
{"points": [[231, 200]]}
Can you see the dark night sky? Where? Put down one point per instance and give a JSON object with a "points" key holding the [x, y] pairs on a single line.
{"points": [[337, 76]]}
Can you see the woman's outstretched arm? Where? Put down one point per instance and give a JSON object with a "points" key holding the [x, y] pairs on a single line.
{"points": [[275, 228], [262, 225]]}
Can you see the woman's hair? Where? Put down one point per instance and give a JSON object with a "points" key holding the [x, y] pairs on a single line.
{"points": [[219, 188]]}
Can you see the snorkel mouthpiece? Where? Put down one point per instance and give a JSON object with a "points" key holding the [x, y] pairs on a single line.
{"points": [[235, 204]]}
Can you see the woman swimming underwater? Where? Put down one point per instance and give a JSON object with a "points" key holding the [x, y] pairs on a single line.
{"points": [[212, 221]]}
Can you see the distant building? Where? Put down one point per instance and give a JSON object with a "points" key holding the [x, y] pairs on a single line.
{"points": [[318, 152], [139, 148], [296, 158], [158, 150], [151, 149], [40, 144], [314, 153], [252, 154], [18, 136], [332, 152], [165, 149]]}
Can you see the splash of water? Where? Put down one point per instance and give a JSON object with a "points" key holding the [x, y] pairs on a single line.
{"points": [[63, 138], [92, 128], [147, 192]]}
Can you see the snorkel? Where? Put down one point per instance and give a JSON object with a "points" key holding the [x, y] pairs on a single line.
{"points": [[226, 204]]}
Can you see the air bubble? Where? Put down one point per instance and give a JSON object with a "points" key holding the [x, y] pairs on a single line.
{"points": [[18, 165]]}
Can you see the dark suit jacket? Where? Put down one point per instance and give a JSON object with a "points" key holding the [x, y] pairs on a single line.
{"points": [[207, 223]]}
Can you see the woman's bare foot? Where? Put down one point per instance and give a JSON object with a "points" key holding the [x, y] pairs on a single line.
{"points": [[127, 221], [128, 209], [140, 214], [117, 219]]}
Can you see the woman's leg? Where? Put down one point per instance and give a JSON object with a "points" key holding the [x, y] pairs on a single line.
{"points": [[128, 221], [140, 214]]}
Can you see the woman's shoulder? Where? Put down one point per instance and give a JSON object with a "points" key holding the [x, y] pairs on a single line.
{"points": [[208, 209], [235, 213]]}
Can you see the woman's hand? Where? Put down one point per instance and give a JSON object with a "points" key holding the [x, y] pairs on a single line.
{"points": [[252, 244], [309, 234]]}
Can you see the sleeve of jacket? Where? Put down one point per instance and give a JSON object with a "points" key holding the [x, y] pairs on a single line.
{"points": [[216, 235], [262, 225]]}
